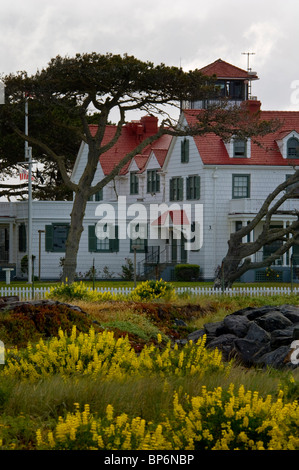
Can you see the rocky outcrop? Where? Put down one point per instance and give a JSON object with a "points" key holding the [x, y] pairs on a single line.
{"points": [[256, 336]]}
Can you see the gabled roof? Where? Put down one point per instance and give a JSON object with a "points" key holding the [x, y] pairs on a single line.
{"points": [[224, 70], [212, 149], [132, 134]]}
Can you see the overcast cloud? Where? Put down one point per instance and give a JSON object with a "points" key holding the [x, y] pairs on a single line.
{"points": [[190, 33]]}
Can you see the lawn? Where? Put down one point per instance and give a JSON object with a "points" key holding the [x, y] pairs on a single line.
{"points": [[114, 378]]}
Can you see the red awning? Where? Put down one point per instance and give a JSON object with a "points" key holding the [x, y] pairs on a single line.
{"points": [[178, 217]]}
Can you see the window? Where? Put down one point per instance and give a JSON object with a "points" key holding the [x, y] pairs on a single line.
{"points": [[292, 187], [293, 148], [240, 148], [193, 187], [185, 151], [107, 244], [56, 236], [97, 196], [241, 186], [272, 247], [140, 243], [133, 182], [153, 181], [176, 188]]}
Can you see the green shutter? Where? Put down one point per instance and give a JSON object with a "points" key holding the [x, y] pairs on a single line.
{"points": [[185, 151], [92, 239], [157, 182], [197, 187], [22, 238], [181, 189], [188, 189], [114, 242], [49, 237], [171, 183]]}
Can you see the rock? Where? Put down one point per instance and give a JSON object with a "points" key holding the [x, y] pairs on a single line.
{"points": [[237, 325], [249, 350], [273, 321], [224, 343], [195, 335], [256, 333], [274, 358], [255, 336]]}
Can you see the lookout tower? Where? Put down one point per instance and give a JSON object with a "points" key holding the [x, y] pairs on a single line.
{"points": [[233, 84]]}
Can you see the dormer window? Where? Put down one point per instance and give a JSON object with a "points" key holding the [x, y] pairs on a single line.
{"points": [[240, 148], [293, 148]]}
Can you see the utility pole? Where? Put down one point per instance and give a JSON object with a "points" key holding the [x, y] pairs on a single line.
{"points": [[28, 157]]}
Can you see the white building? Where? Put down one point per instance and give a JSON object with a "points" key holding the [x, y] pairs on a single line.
{"points": [[227, 181]]}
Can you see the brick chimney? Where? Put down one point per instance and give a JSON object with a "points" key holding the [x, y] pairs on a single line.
{"points": [[253, 106], [150, 124]]}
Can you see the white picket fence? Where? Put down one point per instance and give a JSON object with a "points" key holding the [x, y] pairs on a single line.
{"points": [[38, 293]]}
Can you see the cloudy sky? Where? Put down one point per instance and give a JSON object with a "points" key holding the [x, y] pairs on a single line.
{"points": [[190, 33]]}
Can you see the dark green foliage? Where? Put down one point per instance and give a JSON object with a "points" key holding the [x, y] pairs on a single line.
{"points": [[186, 272]]}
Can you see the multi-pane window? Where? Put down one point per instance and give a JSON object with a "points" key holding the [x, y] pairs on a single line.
{"points": [[193, 187], [241, 186], [293, 148], [185, 151], [133, 182], [98, 196], [110, 243], [293, 187], [240, 148], [56, 236], [176, 189], [139, 242], [153, 181]]}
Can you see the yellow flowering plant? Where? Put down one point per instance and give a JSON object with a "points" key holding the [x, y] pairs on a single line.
{"points": [[213, 420]]}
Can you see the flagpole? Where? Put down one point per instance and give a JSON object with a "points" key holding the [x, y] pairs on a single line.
{"points": [[28, 156]]}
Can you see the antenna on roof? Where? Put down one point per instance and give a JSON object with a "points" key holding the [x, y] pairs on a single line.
{"points": [[248, 54], [248, 70]]}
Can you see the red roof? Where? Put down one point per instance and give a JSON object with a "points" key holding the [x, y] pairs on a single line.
{"points": [[132, 134], [213, 151], [223, 69]]}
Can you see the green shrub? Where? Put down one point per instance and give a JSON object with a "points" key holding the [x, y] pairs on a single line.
{"points": [[186, 272], [151, 290]]}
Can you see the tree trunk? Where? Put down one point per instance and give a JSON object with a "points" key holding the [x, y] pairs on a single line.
{"points": [[74, 236]]}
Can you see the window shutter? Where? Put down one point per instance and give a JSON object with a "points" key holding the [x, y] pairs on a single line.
{"points": [[49, 237], [171, 182], [92, 239], [181, 189], [188, 189], [114, 242], [22, 238], [185, 151], [157, 182], [197, 187]]}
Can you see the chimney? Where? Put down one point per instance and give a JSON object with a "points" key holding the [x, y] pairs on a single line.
{"points": [[150, 124], [252, 105]]}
